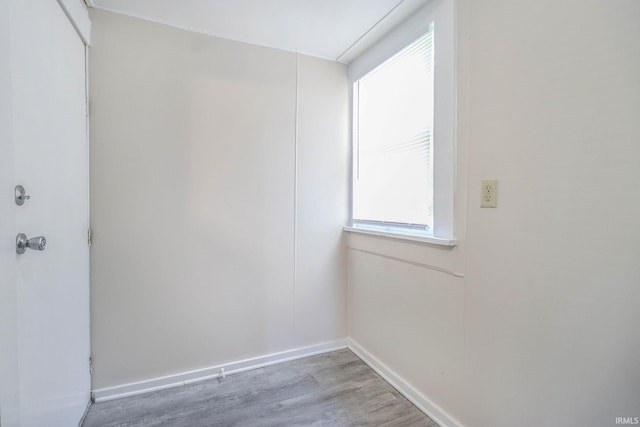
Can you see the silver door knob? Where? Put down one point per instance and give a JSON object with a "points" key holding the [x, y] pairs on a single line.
{"points": [[20, 195], [35, 243]]}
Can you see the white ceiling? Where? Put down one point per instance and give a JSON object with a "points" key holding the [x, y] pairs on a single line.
{"points": [[332, 29]]}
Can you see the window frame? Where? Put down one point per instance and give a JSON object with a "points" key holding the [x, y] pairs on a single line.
{"points": [[442, 14]]}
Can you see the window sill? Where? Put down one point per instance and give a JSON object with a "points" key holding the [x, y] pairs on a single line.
{"points": [[402, 236]]}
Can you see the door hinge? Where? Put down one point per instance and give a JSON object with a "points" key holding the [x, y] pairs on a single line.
{"points": [[89, 237], [90, 365]]}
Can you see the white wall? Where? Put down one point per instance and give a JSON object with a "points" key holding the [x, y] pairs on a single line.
{"points": [[321, 200], [206, 209], [543, 328]]}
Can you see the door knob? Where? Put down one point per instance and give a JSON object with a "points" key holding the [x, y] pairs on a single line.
{"points": [[21, 195], [35, 243]]}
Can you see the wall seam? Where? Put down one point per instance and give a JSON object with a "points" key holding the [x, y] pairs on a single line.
{"points": [[407, 261], [295, 198]]}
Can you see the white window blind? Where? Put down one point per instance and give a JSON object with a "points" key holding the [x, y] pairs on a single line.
{"points": [[393, 140]]}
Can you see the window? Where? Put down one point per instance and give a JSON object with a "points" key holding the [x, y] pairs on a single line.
{"points": [[403, 130], [393, 128]]}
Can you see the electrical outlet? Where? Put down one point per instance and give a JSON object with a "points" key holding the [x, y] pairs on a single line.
{"points": [[489, 194]]}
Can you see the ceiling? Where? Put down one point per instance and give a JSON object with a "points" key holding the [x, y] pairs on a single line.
{"points": [[333, 29]]}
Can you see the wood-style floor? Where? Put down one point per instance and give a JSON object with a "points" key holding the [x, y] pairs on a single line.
{"points": [[335, 389]]}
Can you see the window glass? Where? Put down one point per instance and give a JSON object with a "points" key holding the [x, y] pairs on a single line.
{"points": [[393, 139]]}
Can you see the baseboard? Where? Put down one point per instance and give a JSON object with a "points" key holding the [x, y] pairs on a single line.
{"points": [[414, 396], [176, 380], [84, 415]]}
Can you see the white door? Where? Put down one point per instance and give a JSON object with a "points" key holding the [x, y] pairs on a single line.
{"points": [[48, 140], [8, 298]]}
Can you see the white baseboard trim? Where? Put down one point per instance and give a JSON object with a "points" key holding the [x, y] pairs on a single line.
{"points": [[434, 412], [84, 414], [176, 380]]}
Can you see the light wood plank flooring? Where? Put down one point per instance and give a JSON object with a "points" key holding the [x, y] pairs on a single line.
{"points": [[335, 388]]}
